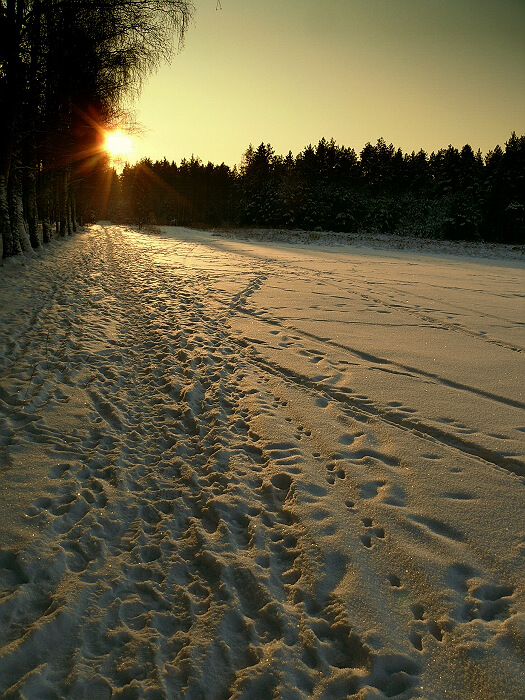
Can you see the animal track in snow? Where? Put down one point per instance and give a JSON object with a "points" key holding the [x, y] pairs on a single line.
{"points": [[371, 532], [370, 489], [487, 602]]}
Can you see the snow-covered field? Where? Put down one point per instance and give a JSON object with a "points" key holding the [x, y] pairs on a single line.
{"points": [[256, 469]]}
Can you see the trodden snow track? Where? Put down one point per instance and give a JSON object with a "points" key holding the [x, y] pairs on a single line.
{"points": [[216, 498]]}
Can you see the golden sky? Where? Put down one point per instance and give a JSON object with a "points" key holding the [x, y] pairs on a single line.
{"points": [[419, 73]]}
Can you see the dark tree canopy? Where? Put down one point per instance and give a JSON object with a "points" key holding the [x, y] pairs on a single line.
{"points": [[65, 68]]}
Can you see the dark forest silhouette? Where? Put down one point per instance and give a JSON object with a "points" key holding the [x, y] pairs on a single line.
{"points": [[65, 68], [452, 194]]}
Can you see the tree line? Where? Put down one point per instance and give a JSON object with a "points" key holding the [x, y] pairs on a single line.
{"points": [[65, 67], [449, 194]]}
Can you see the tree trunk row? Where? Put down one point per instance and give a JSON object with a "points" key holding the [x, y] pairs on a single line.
{"points": [[35, 207]]}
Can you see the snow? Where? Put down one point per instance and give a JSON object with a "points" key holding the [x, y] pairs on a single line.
{"points": [[262, 467]]}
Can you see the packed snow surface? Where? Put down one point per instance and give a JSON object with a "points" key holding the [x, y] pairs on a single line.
{"points": [[261, 469]]}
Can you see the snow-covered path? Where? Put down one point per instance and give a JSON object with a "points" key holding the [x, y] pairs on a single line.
{"points": [[234, 469]]}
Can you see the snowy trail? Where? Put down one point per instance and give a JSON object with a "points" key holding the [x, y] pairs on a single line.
{"points": [[243, 470]]}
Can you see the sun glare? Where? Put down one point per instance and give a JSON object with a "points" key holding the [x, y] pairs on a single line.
{"points": [[118, 144]]}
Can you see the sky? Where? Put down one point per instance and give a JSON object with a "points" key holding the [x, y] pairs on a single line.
{"points": [[418, 73]]}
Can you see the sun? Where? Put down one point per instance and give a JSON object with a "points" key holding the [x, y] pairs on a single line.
{"points": [[118, 144]]}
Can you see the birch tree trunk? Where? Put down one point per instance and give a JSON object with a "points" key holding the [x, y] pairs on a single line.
{"points": [[45, 189], [47, 231], [73, 208], [11, 240], [62, 204], [6, 243], [69, 209], [16, 208], [31, 210]]}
